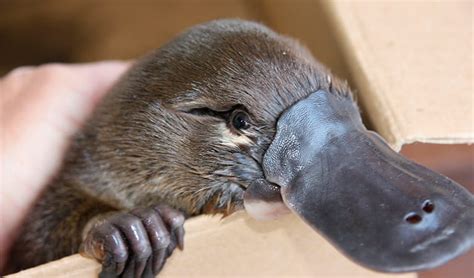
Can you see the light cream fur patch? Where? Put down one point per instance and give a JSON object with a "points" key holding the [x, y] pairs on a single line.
{"points": [[232, 140]]}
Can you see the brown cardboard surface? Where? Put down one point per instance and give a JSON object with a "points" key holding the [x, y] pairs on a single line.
{"points": [[81, 31], [412, 62], [306, 21], [236, 247]]}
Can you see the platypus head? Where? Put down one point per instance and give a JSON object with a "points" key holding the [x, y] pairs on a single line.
{"points": [[232, 115]]}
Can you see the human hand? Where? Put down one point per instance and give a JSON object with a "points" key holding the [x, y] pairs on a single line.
{"points": [[40, 109]]}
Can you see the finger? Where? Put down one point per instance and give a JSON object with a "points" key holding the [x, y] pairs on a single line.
{"points": [[159, 260], [171, 246], [136, 235], [106, 244], [148, 272], [174, 220], [98, 77], [158, 235], [129, 271], [107, 274]]}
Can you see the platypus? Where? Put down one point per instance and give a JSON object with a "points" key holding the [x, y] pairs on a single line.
{"points": [[227, 116]]}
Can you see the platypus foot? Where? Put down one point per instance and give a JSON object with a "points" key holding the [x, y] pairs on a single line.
{"points": [[135, 243]]}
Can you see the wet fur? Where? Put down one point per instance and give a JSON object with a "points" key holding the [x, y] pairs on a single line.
{"points": [[144, 145]]}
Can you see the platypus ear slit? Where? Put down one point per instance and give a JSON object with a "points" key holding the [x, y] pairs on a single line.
{"points": [[203, 111], [223, 114], [208, 112]]}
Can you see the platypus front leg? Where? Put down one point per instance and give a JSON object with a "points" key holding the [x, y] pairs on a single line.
{"points": [[135, 243]]}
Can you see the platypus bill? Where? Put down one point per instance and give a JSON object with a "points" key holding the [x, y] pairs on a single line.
{"points": [[381, 210], [227, 116]]}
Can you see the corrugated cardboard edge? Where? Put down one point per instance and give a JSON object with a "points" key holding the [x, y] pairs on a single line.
{"points": [[237, 246], [366, 82]]}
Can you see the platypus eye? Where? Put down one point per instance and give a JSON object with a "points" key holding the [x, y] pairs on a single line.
{"points": [[239, 120], [236, 117]]}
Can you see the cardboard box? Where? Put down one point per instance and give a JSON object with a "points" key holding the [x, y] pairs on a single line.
{"points": [[236, 247], [410, 63]]}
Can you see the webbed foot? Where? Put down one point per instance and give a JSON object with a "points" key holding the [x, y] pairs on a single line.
{"points": [[135, 243]]}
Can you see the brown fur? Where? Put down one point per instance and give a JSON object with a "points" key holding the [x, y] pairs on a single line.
{"points": [[145, 144]]}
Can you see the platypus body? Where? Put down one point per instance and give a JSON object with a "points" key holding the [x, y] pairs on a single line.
{"points": [[229, 116]]}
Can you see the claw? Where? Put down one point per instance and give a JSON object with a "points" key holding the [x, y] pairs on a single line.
{"points": [[174, 221], [179, 232], [134, 244]]}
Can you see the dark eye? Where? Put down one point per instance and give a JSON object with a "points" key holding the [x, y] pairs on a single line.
{"points": [[239, 120]]}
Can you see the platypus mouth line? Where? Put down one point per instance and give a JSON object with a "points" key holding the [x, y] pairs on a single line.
{"points": [[432, 240], [378, 208]]}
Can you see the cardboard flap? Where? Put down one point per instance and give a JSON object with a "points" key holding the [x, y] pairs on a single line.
{"points": [[412, 63], [237, 246]]}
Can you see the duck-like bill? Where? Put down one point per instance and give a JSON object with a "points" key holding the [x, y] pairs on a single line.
{"points": [[380, 209]]}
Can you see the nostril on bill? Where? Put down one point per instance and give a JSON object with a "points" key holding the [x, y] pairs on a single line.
{"points": [[428, 206], [413, 218]]}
